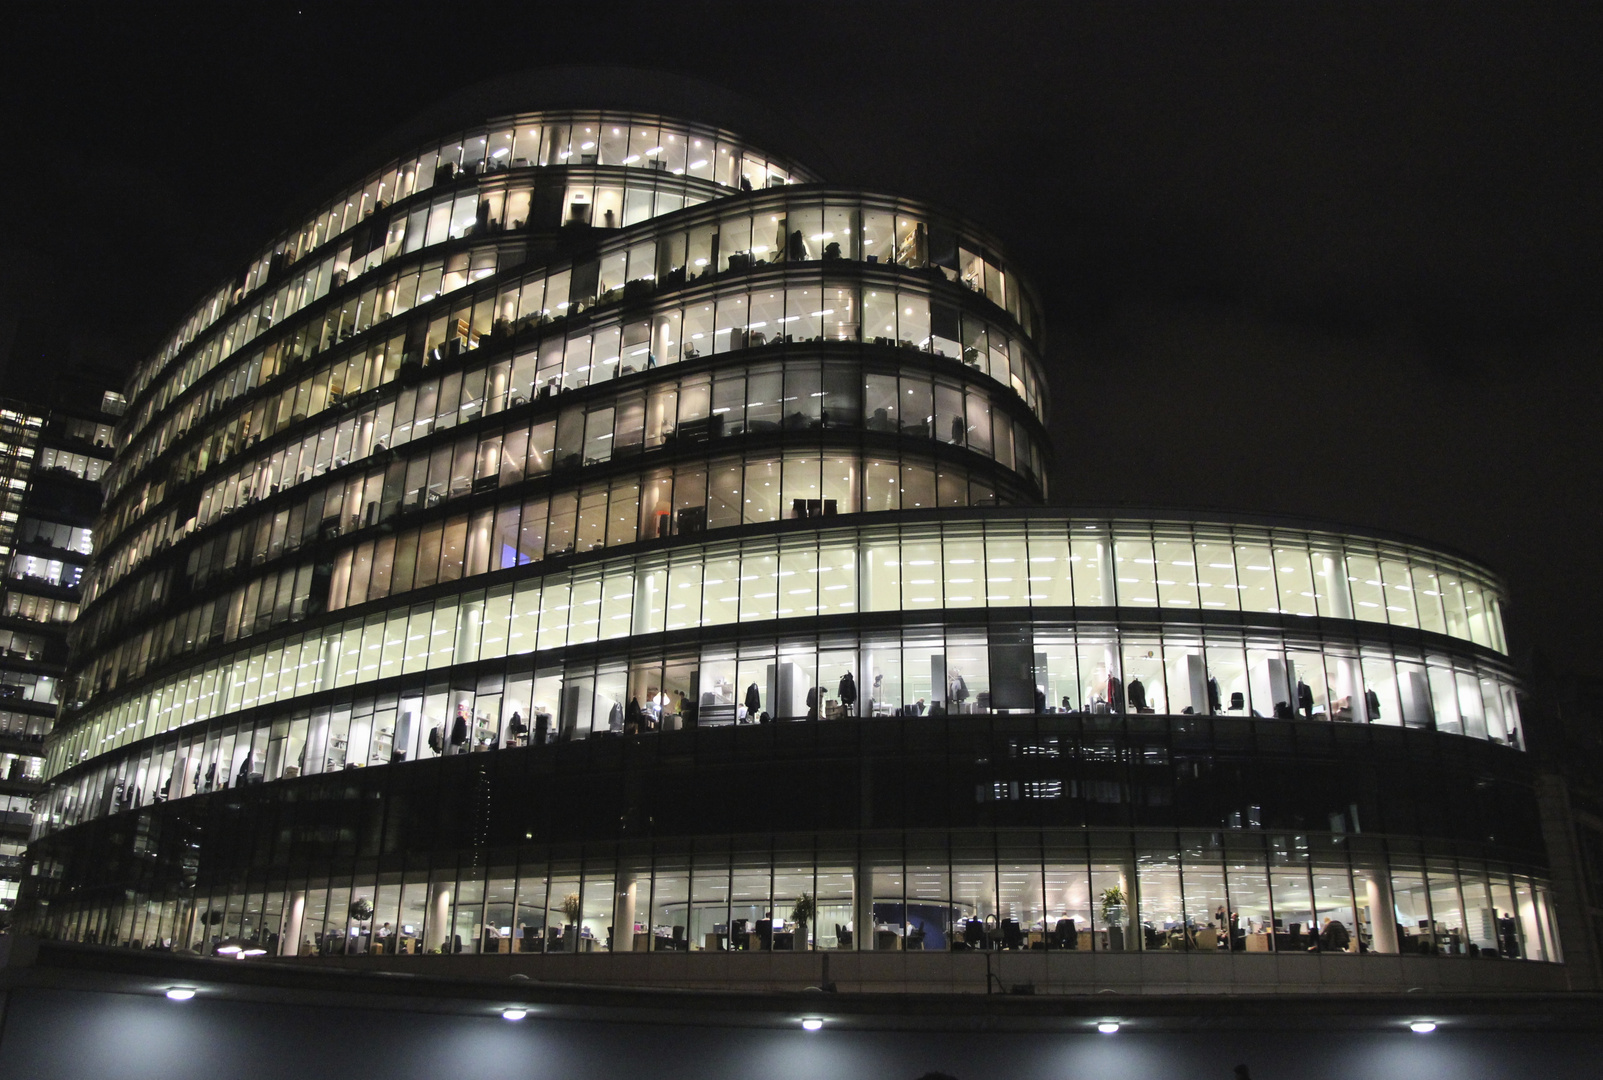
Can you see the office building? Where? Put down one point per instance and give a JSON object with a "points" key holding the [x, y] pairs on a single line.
{"points": [[591, 532]]}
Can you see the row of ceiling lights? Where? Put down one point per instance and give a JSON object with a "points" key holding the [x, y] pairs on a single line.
{"points": [[808, 1023]]}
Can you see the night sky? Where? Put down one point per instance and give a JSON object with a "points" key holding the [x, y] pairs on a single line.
{"points": [[1337, 261]]}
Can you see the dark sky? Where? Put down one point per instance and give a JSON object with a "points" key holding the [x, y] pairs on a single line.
{"points": [[1340, 261]]}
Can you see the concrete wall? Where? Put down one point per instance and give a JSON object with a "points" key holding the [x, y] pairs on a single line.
{"points": [[944, 972]]}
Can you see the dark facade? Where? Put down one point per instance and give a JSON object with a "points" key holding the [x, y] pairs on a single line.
{"points": [[593, 533]]}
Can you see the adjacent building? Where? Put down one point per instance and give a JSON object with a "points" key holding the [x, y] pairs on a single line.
{"points": [[51, 461]]}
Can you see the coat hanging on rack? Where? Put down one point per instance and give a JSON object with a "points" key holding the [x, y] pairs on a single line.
{"points": [[1116, 694], [1305, 698], [754, 700], [459, 728], [615, 717], [1138, 694], [956, 688], [848, 690]]}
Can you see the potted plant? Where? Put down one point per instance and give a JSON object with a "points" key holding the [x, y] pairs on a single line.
{"points": [[208, 940], [1113, 907], [570, 930], [360, 911], [802, 914]]}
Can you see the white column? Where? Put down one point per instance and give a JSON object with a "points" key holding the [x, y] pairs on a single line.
{"points": [[623, 915], [438, 930], [1105, 573], [863, 906], [330, 661], [289, 939], [1382, 912], [1340, 596], [1134, 937], [468, 618]]}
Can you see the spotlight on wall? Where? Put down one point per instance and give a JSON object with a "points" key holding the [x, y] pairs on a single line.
{"points": [[514, 1013], [812, 1023], [1108, 1027], [1422, 1027], [180, 993]]}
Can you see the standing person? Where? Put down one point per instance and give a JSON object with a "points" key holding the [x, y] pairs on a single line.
{"points": [[1508, 935]]}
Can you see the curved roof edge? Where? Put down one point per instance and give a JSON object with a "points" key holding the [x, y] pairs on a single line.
{"points": [[634, 89], [1225, 516]]}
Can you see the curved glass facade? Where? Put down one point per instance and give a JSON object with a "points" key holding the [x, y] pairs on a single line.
{"points": [[523, 141], [630, 475], [696, 248], [1214, 836], [1356, 663]]}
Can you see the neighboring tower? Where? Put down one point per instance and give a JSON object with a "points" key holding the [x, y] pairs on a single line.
{"points": [[51, 462]]}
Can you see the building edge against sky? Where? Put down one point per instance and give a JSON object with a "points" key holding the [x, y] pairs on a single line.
{"points": [[590, 532]]}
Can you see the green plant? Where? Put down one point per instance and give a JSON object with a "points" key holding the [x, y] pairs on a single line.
{"points": [[570, 907], [361, 910], [803, 912], [1113, 905]]}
